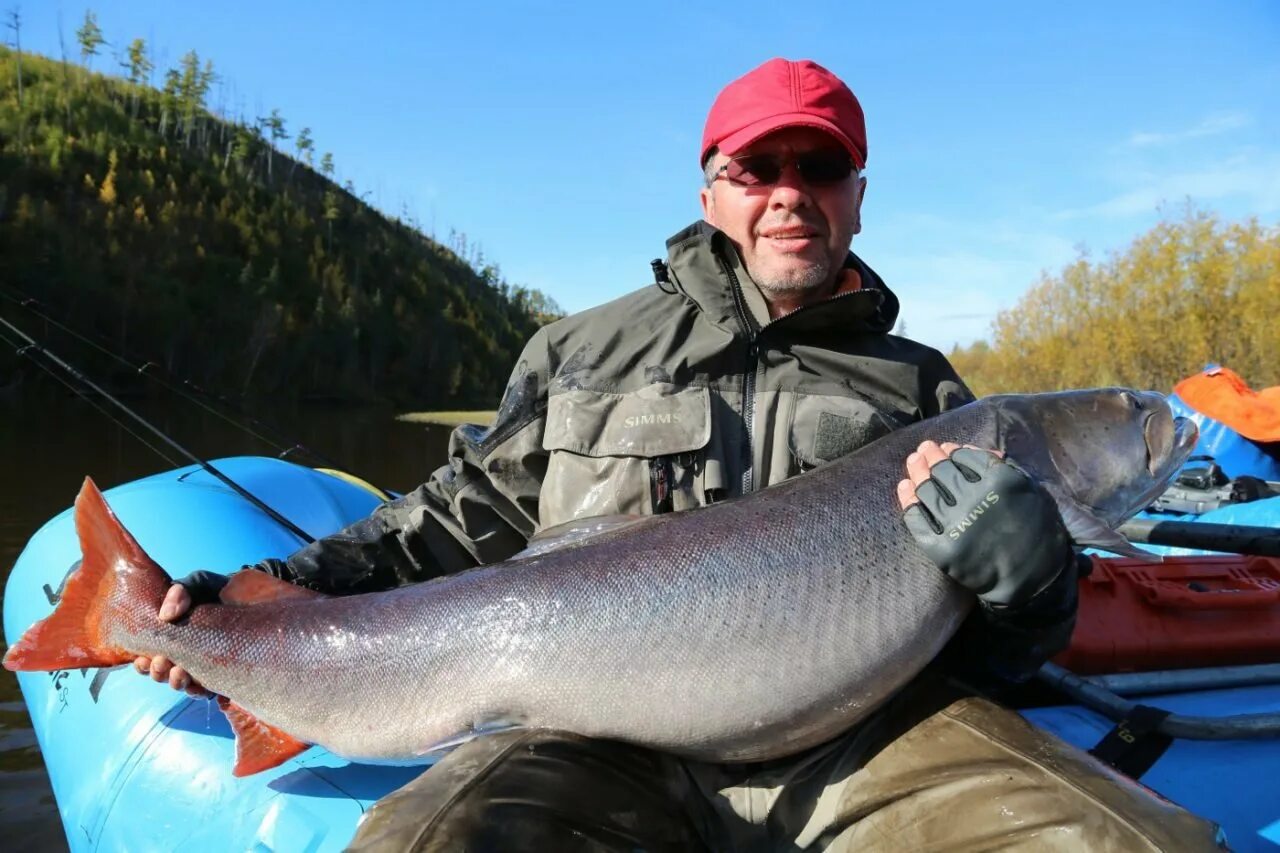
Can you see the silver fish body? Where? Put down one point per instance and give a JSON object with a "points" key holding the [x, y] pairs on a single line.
{"points": [[741, 631]]}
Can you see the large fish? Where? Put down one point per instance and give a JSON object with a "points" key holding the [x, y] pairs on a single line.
{"points": [[742, 631]]}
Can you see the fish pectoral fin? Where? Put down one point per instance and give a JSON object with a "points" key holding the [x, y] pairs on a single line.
{"points": [[250, 586], [259, 746], [1086, 529], [575, 532]]}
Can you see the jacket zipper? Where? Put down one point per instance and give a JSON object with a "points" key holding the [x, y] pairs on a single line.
{"points": [[810, 307], [748, 375]]}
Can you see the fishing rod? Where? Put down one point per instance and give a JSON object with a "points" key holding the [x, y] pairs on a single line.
{"points": [[277, 439], [18, 347], [30, 346]]}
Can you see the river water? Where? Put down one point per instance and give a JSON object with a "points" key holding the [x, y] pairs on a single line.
{"points": [[47, 446]]}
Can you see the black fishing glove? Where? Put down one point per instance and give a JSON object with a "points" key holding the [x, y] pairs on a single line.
{"points": [[203, 586], [990, 528]]}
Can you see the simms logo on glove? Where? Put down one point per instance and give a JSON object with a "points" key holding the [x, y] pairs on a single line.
{"points": [[965, 523]]}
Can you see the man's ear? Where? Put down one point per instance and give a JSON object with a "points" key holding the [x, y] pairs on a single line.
{"points": [[708, 200], [857, 205]]}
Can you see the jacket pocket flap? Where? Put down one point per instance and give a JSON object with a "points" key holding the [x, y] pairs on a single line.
{"points": [[658, 420], [825, 428]]}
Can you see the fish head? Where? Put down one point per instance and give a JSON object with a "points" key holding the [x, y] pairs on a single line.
{"points": [[1104, 454]]}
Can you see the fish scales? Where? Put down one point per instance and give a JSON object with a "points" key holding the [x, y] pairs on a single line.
{"points": [[737, 632], [742, 631]]}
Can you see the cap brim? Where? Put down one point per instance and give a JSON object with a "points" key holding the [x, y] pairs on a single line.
{"points": [[735, 142]]}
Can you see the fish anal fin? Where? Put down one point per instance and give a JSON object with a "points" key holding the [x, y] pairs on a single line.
{"points": [[250, 586], [259, 746]]}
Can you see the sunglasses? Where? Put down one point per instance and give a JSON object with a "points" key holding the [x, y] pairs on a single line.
{"points": [[816, 168]]}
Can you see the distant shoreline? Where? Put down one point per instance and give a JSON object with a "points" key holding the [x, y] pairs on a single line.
{"points": [[449, 419]]}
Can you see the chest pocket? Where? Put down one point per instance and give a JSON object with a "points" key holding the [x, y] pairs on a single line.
{"points": [[824, 428], [634, 453]]}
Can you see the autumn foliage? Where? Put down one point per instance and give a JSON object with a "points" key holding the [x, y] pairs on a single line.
{"points": [[1193, 290]]}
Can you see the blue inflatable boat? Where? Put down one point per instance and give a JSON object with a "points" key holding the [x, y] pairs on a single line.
{"points": [[136, 767]]}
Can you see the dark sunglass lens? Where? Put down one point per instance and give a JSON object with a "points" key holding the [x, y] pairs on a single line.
{"points": [[824, 167], [754, 171]]}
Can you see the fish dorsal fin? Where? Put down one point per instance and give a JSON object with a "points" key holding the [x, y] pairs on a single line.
{"points": [[250, 586], [576, 532], [259, 746], [1087, 529]]}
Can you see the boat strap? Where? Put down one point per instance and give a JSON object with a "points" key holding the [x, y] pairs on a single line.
{"points": [[1135, 743]]}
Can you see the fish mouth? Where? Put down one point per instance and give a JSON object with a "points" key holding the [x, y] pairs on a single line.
{"points": [[1185, 435], [1169, 441]]}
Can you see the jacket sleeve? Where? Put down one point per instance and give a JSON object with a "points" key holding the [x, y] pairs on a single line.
{"points": [[1007, 645], [480, 507], [941, 389]]}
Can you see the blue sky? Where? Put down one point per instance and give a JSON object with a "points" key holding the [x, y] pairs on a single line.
{"points": [[563, 138]]}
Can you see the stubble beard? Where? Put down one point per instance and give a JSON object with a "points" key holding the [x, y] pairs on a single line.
{"points": [[791, 282]]}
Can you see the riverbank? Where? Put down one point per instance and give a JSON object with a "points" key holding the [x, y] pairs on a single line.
{"points": [[449, 419]]}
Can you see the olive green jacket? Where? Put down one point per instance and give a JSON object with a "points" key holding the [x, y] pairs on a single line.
{"points": [[674, 396]]}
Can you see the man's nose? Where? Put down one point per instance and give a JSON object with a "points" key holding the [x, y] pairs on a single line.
{"points": [[790, 191]]}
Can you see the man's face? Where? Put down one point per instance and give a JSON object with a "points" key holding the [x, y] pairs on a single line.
{"points": [[793, 237]]}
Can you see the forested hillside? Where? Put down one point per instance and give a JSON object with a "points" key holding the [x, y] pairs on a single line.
{"points": [[1191, 291], [135, 214]]}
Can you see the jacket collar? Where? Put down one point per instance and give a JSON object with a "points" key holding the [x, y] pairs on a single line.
{"points": [[704, 265]]}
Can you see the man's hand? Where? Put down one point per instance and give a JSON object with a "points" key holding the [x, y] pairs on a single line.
{"points": [[197, 587], [987, 525]]}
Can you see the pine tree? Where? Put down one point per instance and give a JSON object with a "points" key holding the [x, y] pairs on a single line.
{"points": [[15, 24], [305, 146], [274, 124], [170, 99], [140, 67], [90, 37]]}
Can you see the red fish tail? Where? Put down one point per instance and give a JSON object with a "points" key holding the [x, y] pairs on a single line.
{"points": [[116, 586]]}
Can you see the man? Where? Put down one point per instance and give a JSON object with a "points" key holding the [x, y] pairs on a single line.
{"points": [[762, 350]]}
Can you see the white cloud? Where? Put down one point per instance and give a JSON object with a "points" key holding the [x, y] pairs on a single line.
{"points": [[1211, 125], [953, 278], [1251, 177]]}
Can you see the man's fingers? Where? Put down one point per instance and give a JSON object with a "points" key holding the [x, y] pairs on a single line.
{"points": [[927, 455], [932, 452], [142, 665], [178, 678], [160, 666], [917, 468], [907, 494], [177, 601]]}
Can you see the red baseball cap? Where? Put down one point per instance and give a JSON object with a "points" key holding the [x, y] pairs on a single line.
{"points": [[780, 94]]}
